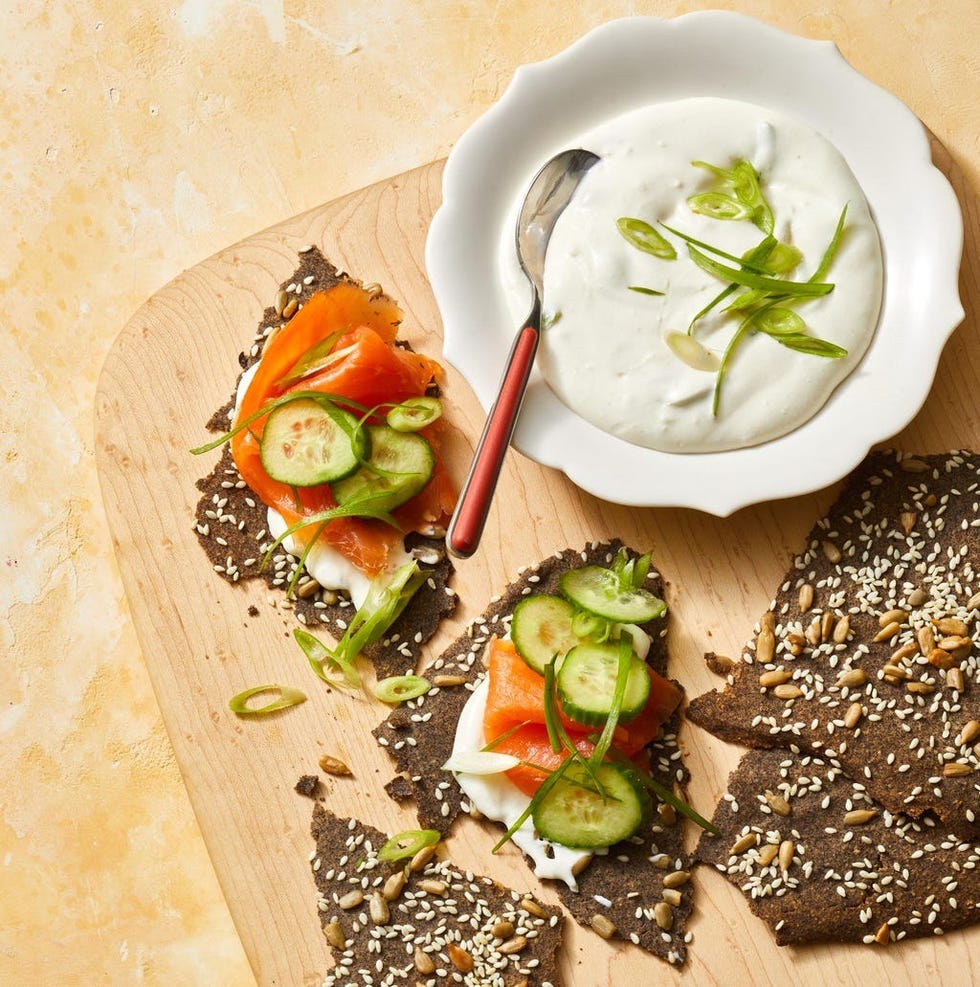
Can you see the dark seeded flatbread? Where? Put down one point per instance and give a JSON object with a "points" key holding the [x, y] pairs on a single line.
{"points": [[902, 536], [622, 887], [881, 880], [447, 914], [231, 524]]}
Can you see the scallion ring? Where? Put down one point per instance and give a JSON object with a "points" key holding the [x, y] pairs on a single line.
{"points": [[288, 696], [401, 688], [414, 414], [407, 844]]}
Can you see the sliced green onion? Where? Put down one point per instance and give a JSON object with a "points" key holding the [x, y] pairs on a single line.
{"points": [[780, 321], [747, 261], [717, 205], [831, 252], [404, 845], [414, 413], [811, 345], [506, 735], [645, 237], [551, 719], [318, 654], [318, 357], [535, 801], [590, 625], [641, 290], [783, 258], [622, 677], [802, 289], [665, 794], [287, 696], [401, 688]]}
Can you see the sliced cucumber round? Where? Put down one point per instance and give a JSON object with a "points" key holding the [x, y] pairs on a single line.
{"points": [[576, 814], [541, 628], [600, 591], [400, 465], [586, 684], [305, 444]]}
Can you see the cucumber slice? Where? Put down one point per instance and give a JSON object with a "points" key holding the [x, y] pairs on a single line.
{"points": [[574, 814], [600, 591], [542, 628], [586, 683], [305, 444], [400, 466]]}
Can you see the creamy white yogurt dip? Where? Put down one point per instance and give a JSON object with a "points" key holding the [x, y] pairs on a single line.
{"points": [[325, 564], [606, 356]]}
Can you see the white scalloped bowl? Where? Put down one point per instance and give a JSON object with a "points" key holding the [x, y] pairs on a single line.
{"points": [[636, 61]]}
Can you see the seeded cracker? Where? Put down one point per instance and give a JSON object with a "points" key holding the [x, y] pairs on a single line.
{"points": [[441, 926], [867, 654], [617, 893], [853, 871], [231, 523]]}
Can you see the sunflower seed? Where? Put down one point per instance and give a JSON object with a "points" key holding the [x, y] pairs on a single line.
{"points": [[955, 680], [905, 651], [888, 631], [968, 733], [663, 915], [514, 945], [940, 658], [926, 639], [853, 715], [858, 817], [602, 926], [768, 854], [843, 629], [765, 646], [832, 552], [786, 851], [787, 691], [917, 597], [778, 804], [951, 625], [533, 908], [677, 879], [914, 466], [442, 681], [673, 897], [503, 930], [290, 308], [883, 935], [394, 886], [335, 934], [920, 688], [743, 843], [460, 958], [956, 769], [378, 909], [805, 597], [333, 766], [423, 962], [430, 886], [775, 677], [851, 679], [907, 519], [350, 900]]}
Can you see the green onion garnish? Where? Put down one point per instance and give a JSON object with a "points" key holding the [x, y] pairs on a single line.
{"points": [[404, 845], [287, 696], [401, 688]]}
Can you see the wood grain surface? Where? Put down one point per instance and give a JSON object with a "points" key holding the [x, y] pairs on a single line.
{"points": [[175, 362]]}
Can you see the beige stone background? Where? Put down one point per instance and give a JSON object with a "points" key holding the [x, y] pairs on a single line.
{"points": [[135, 140]]}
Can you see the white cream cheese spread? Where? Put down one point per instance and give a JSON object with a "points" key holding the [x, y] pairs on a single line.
{"points": [[606, 355]]}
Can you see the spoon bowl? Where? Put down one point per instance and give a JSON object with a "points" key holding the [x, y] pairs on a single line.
{"points": [[546, 198]]}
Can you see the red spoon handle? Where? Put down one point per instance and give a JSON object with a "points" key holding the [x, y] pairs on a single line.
{"points": [[470, 516]]}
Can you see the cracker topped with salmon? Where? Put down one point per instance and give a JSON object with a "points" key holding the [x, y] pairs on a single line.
{"points": [[331, 481], [552, 715]]}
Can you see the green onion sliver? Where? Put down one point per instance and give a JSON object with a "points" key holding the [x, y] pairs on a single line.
{"points": [[645, 237], [776, 286], [401, 688], [414, 414], [546, 786], [287, 696], [622, 678], [318, 654], [407, 844]]}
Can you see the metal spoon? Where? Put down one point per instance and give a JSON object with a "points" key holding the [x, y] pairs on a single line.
{"points": [[549, 193]]}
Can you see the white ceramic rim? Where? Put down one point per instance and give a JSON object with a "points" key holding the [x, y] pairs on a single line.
{"points": [[638, 60]]}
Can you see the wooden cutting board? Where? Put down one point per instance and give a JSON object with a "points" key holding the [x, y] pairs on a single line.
{"points": [[175, 363]]}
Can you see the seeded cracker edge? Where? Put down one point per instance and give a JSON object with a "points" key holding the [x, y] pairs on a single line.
{"points": [[401, 924], [893, 560], [630, 877], [228, 510]]}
